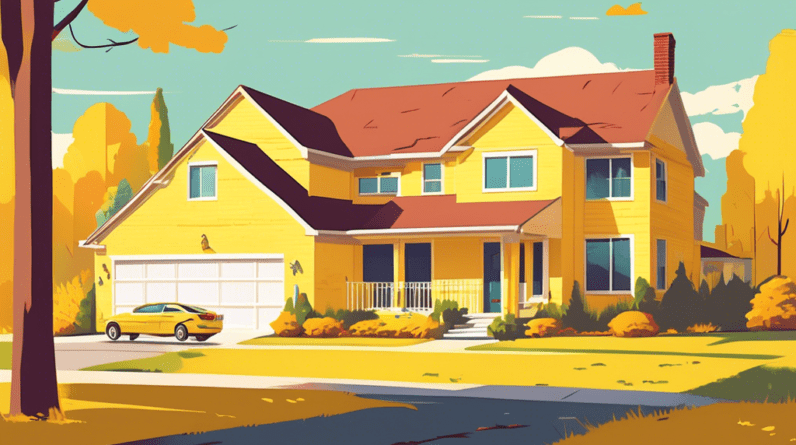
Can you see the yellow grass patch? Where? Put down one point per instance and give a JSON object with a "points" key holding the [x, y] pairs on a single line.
{"points": [[711, 424], [102, 414]]}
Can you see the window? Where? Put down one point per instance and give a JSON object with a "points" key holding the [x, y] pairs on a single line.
{"points": [[432, 178], [172, 309], [660, 180], [661, 269], [608, 265], [151, 309], [608, 178], [538, 268], [202, 182], [383, 185], [510, 171]]}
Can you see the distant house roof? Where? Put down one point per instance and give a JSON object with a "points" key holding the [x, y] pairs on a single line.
{"points": [[417, 212], [592, 108], [710, 252]]}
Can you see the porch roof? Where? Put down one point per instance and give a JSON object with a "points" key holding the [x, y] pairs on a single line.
{"points": [[401, 213]]}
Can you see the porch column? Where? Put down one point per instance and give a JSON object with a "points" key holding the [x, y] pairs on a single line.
{"points": [[399, 274], [512, 276]]}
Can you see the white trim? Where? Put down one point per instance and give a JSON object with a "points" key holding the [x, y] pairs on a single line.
{"points": [[658, 266], [508, 155], [378, 184], [97, 247], [200, 164], [546, 269], [441, 179], [201, 256], [665, 180], [423, 230], [588, 238], [610, 181], [309, 230], [484, 115], [608, 145]]}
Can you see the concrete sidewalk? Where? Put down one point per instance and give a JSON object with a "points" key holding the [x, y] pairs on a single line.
{"points": [[387, 388]]}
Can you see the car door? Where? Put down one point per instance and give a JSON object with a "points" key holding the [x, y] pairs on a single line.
{"points": [[172, 316], [149, 318]]}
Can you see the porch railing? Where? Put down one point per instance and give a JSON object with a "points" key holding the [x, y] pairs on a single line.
{"points": [[414, 296]]}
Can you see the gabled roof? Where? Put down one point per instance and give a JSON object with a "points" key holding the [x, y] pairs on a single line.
{"points": [[612, 107], [710, 252], [309, 128], [417, 212]]}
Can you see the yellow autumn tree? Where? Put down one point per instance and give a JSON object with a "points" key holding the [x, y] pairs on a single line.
{"points": [[767, 128], [6, 193], [66, 302]]}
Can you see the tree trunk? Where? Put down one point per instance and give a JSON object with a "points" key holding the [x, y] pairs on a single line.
{"points": [[27, 33]]}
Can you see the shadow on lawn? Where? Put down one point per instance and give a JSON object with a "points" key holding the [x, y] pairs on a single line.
{"points": [[732, 337], [759, 384]]}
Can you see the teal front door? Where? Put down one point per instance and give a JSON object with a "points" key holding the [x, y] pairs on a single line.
{"points": [[492, 278]]}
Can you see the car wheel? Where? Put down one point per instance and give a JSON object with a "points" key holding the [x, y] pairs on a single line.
{"points": [[181, 332], [113, 332], [202, 337], [133, 336]]}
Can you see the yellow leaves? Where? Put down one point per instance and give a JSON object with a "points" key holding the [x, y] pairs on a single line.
{"points": [[745, 423], [268, 400], [66, 302], [768, 428], [159, 23]]}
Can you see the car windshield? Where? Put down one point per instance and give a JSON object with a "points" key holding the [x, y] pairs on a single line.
{"points": [[150, 309], [193, 309]]}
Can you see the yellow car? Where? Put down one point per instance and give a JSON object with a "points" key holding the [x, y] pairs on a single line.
{"points": [[164, 320]]}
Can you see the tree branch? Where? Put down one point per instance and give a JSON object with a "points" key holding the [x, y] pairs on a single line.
{"points": [[11, 17], [768, 231], [110, 46], [787, 221], [69, 18]]}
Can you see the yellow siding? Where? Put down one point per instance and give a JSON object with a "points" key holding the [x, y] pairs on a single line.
{"points": [[243, 220], [411, 180], [244, 121], [334, 264], [103, 299], [510, 130], [458, 258], [329, 182]]}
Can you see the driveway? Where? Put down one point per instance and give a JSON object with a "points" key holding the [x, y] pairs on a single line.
{"points": [[82, 351]]}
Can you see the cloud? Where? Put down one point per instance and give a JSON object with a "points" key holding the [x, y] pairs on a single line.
{"points": [[61, 142], [584, 18], [349, 40], [429, 56], [69, 92], [713, 141], [568, 61], [541, 16], [459, 60], [634, 9], [722, 99]]}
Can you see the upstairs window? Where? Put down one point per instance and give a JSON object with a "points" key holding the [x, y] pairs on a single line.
{"points": [[202, 181], [609, 178], [514, 171], [383, 185], [660, 180], [432, 178]]}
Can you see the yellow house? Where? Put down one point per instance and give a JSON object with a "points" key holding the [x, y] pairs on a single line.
{"points": [[498, 194]]}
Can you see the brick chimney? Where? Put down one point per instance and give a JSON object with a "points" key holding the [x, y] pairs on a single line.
{"points": [[664, 58]]}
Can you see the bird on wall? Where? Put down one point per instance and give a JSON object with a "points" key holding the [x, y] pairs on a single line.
{"points": [[100, 281], [105, 268], [206, 245], [295, 266]]}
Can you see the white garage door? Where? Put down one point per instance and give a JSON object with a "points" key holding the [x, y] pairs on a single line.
{"points": [[249, 291]]}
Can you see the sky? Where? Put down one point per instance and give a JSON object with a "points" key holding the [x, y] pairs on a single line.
{"points": [[307, 52]]}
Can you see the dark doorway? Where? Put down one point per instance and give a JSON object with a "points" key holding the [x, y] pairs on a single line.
{"points": [[417, 266], [492, 277], [377, 267]]}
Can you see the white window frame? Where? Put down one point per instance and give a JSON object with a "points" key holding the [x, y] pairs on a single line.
{"points": [[610, 271], [203, 164], [378, 185], [665, 179], [665, 265], [510, 154], [610, 181], [441, 179]]}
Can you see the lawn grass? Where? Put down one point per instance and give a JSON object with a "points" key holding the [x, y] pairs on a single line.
{"points": [[758, 384], [102, 414], [721, 423], [5, 355], [273, 340]]}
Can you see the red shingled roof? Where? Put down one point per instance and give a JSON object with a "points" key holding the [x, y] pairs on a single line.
{"points": [[417, 212], [611, 107]]}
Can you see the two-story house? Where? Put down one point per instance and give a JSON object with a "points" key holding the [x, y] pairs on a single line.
{"points": [[498, 194]]}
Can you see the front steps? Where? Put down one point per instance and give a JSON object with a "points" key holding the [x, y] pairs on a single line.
{"points": [[474, 329]]}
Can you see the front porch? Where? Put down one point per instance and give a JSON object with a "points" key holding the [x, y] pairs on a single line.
{"points": [[499, 275]]}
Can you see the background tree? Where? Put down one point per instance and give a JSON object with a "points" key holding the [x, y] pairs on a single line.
{"points": [[767, 124], [27, 31], [158, 141], [680, 304]]}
